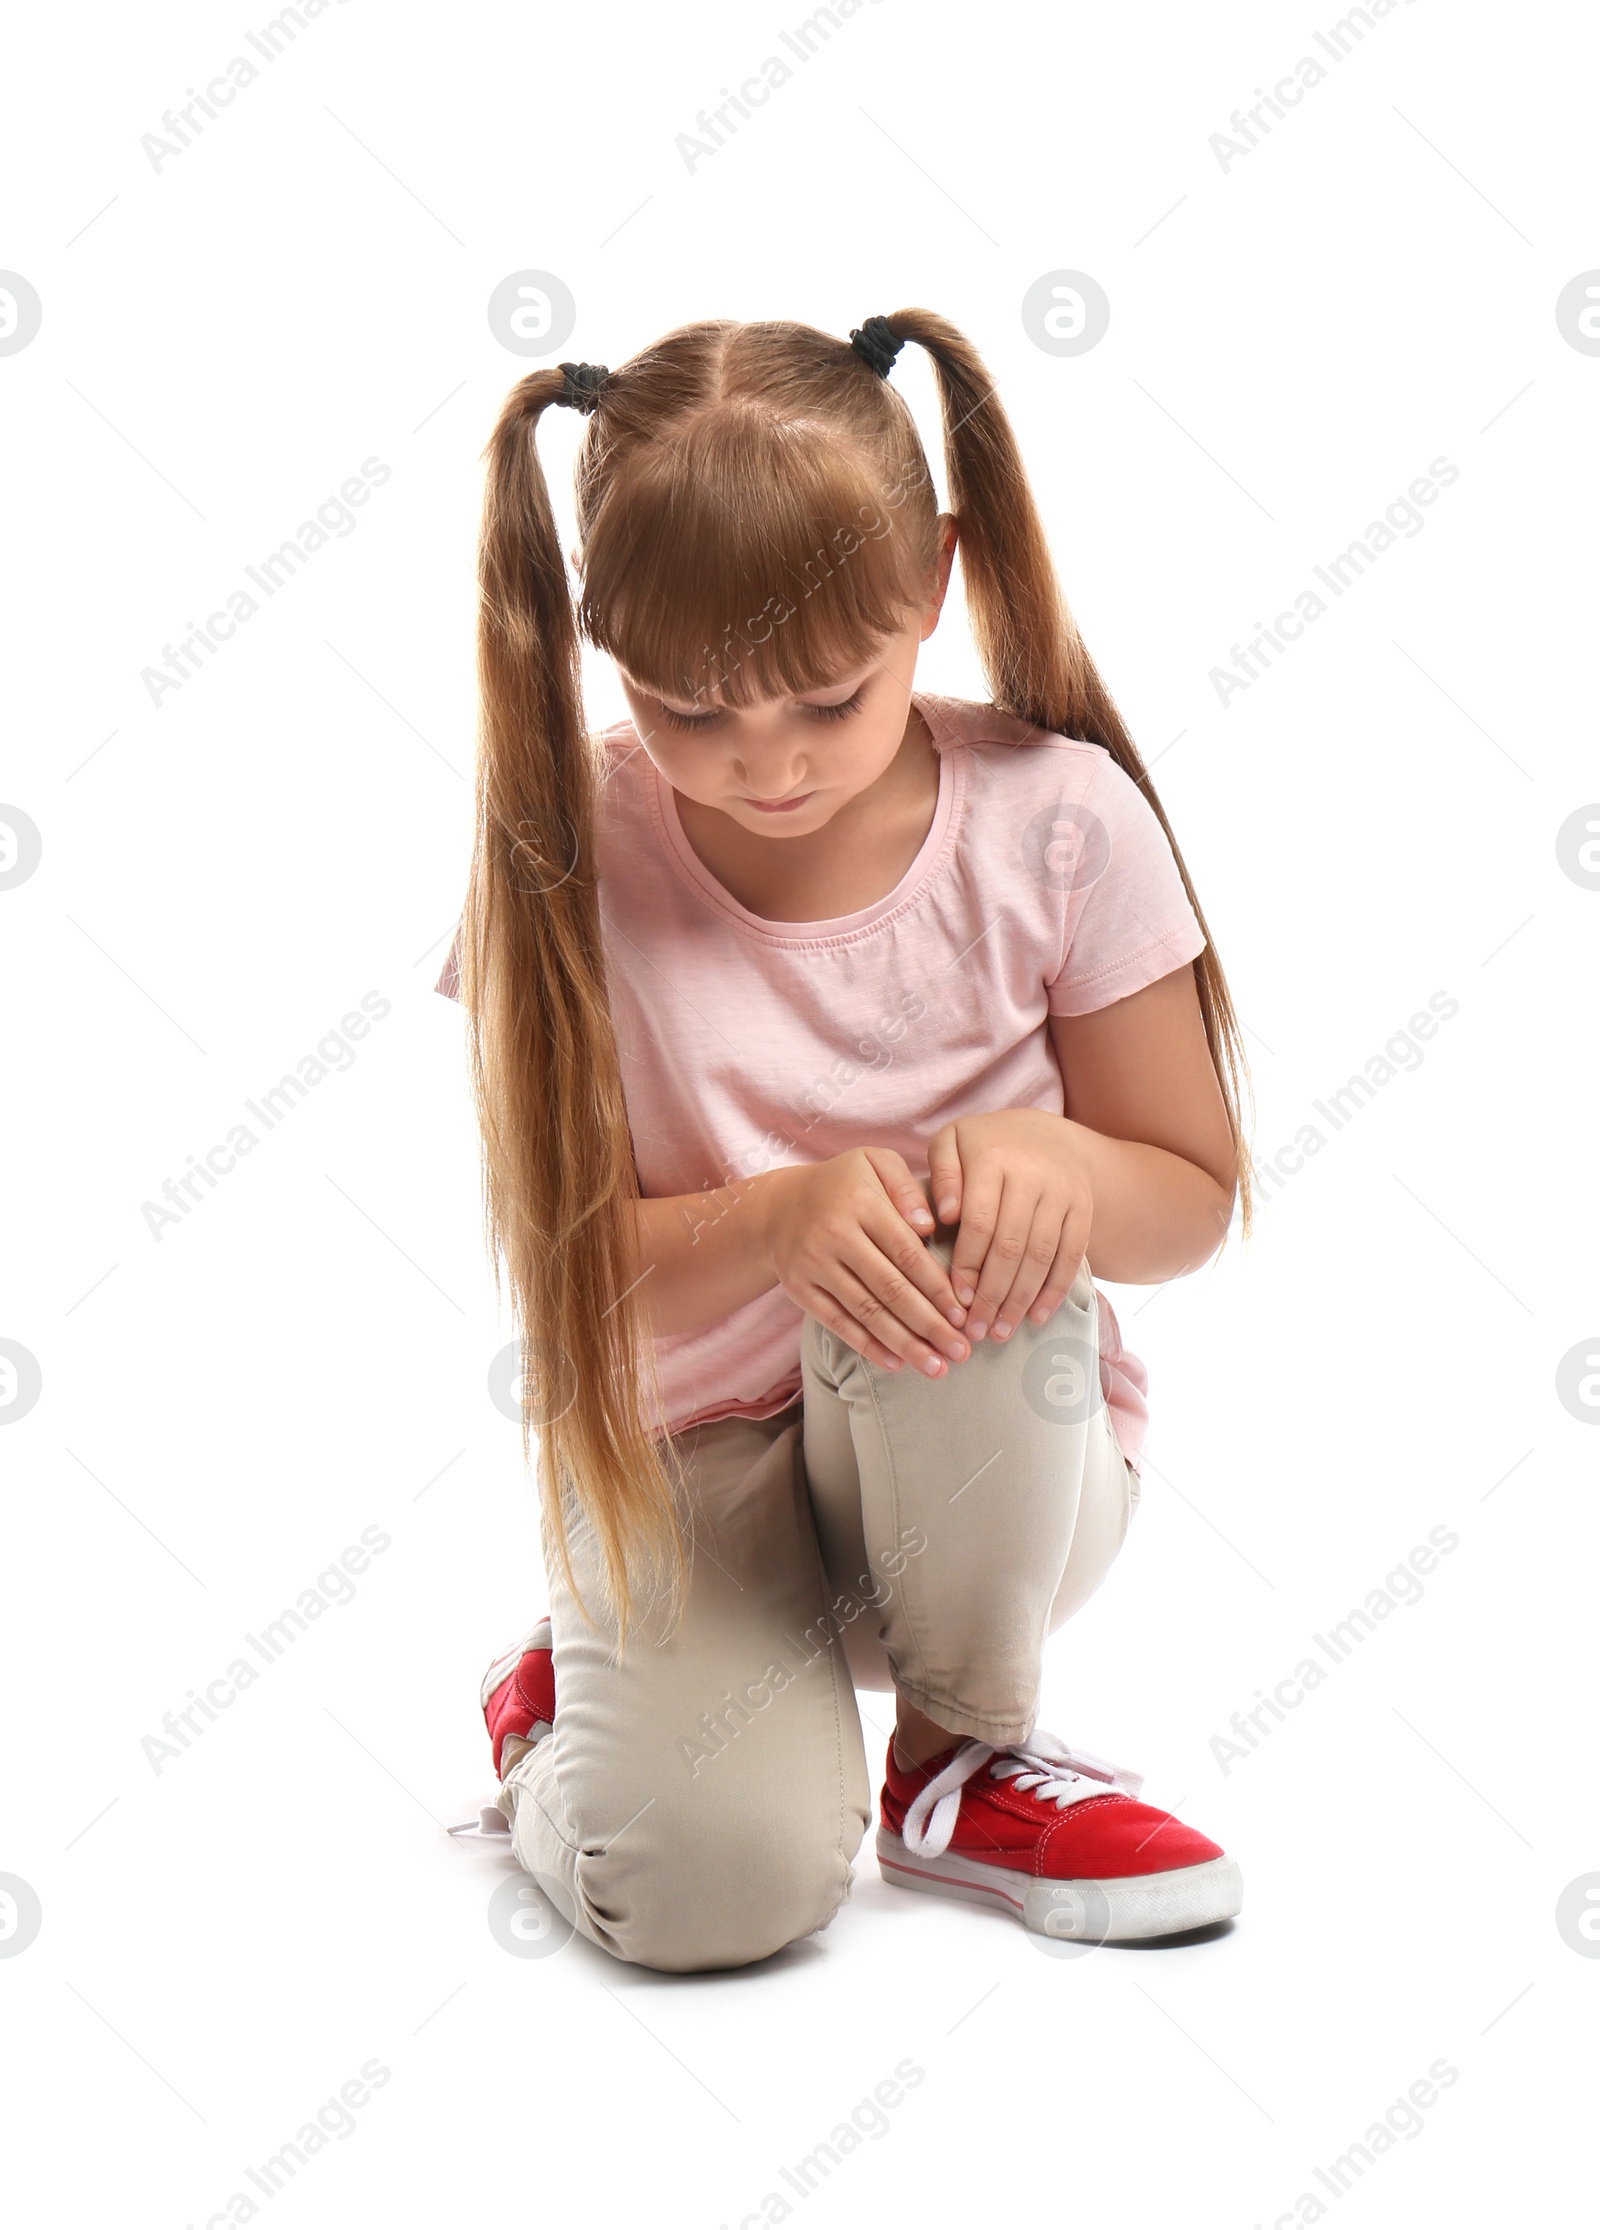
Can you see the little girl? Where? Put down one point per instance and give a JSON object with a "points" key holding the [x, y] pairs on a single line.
{"points": [[819, 1029]]}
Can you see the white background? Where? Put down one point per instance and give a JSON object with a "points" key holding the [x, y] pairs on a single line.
{"points": [[223, 1409]]}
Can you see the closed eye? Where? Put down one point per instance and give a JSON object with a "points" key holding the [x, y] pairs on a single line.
{"points": [[843, 711], [839, 712]]}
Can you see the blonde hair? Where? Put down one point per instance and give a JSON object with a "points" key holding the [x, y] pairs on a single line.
{"points": [[755, 516]]}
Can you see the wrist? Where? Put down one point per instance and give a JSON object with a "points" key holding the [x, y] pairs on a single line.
{"points": [[769, 1193], [1082, 1148]]}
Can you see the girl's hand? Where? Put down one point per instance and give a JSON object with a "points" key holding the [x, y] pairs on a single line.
{"points": [[1025, 1205], [838, 1237]]}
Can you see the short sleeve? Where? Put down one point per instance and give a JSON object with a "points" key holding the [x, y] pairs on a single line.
{"points": [[1128, 917], [450, 974]]}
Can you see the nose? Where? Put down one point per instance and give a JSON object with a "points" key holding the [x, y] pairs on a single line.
{"points": [[770, 791]]}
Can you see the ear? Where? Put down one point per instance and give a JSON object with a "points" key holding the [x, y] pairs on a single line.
{"points": [[947, 532]]}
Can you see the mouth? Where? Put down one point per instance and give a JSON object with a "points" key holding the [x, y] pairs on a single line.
{"points": [[779, 805]]}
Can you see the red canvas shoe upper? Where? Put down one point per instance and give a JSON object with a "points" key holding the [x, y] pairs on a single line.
{"points": [[1037, 1807], [519, 1690]]}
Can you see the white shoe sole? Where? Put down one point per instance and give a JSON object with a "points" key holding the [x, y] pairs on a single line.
{"points": [[1120, 1910], [540, 1638]]}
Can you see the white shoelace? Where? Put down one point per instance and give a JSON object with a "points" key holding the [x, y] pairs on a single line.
{"points": [[1043, 1765]]}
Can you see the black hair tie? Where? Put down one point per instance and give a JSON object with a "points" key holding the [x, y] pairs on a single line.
{"points": [[584, 382], [876, 344]]}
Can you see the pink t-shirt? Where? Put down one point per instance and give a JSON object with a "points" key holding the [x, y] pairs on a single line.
{"points": [[1045, 885]]}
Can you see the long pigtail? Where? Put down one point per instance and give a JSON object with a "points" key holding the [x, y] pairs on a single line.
{"points": [[1034, 659], [560, 1184]]}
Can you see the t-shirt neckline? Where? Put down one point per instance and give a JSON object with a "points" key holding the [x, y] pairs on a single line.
{"points": [[910, 884]]}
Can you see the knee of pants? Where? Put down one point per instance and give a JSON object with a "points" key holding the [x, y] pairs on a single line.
{"points": [[718, 1879]]}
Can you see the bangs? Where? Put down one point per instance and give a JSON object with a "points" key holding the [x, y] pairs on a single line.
{"points": [[750, 557]]}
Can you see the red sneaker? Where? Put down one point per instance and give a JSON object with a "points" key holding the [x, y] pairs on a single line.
{"points": [[519, 1692], [1055, 1837]]}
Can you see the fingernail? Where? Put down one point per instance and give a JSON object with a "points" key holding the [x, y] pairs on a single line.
{"points": [[957, 1351], [964, 1294], [920, 1215], [932, 1366], [1002, 1331], [976, 1329], [947, 1206]]}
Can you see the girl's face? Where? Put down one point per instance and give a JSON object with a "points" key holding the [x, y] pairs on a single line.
{"points": [[786, 766]]}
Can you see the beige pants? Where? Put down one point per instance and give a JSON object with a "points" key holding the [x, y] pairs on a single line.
{"points": [[700, 1800]]}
